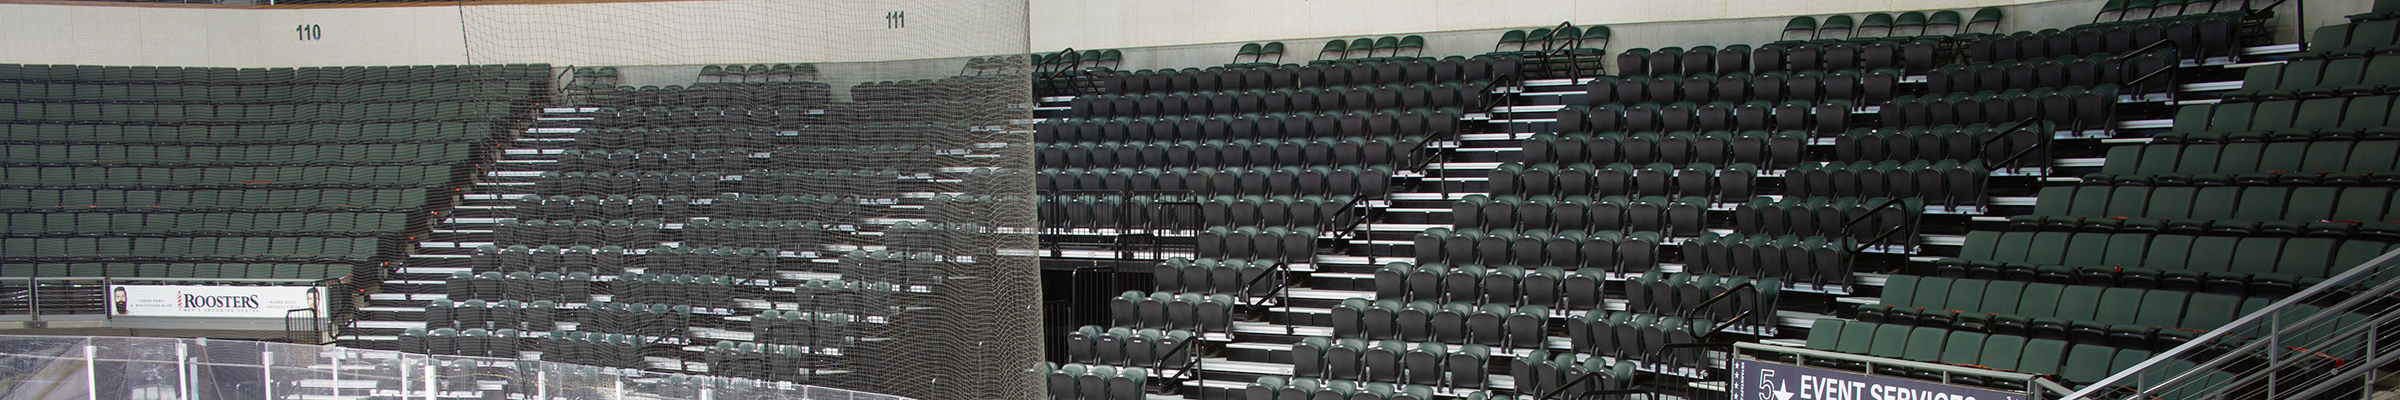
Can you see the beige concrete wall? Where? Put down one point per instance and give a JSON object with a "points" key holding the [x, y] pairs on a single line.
{"points": [[605, 33], [1170, 32]]}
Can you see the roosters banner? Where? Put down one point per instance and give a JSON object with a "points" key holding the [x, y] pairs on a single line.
{"points": [[213, 301]]}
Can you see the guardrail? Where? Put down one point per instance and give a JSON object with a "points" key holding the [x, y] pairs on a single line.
{"points": [[2312, 344], [2039, 387], [84, 367]]}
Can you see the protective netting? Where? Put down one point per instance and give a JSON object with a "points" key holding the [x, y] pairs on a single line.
{"points": [[776, 194]]}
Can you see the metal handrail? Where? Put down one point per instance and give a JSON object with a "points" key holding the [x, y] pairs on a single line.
{"points": [[1060, 70], [1191, 366], [2172, 80], [1712, 300], [1281, 292], [2220, 358]]}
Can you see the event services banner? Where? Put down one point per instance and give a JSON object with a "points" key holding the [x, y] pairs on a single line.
{"points": [[212, 301], [1758, 380]]}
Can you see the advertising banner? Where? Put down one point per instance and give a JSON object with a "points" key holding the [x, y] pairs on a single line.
{"points": [[212, 301], [1761, 380]]}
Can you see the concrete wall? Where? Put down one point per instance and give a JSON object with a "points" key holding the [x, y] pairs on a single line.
{"points": [[589, 33], [1165, 33]]}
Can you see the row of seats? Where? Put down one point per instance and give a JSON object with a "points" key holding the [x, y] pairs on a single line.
{"points": [[1332, 98], [1657, 292], [1943, 142], [2064, 71], [1816, 260], [1672, 216], [674, 117], [645, 206], [919, 91], [1438, 283], [2194, 37], [1401, 70], [806, 328], [167, 132], [588, 260], [2319, 79], [2123, 10], [1162, 310], [1790, 115], [1496, 325], [198, 270], [1125, 347], [261, 200], [534, 316], [1379, 150], [1912, 55], [773, 94], [1945, 183], [173, 93], [1291, 245], [708, 260], [1619, 250], [1096, 382], [2357, 39], [271, 76], [742, 233], [1846, 217], [1392, 361], [574, 231], [148, 155], [1637, 336], [188, 224], [2086, 363], [1319, 180], [1689, 181], [1210, 275], [474, 342], [1878, 25], [2053, 311], [701, 291], [1869, 87], [1776, 150], [2072, 107], [492, 286], [2188, 207], [698, 159], [2259, 121], [554, 183], [1279, 388], [423, 176], [253, 113], [192, 248], [738, 136], [1536, 373], [1398, 123], [1171, 212], [1259, 54], [2221, 264], [638, 317]]}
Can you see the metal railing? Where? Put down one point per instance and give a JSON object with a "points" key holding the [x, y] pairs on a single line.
{"points": [[1281, 292], [2328, 341], [80, 367]]}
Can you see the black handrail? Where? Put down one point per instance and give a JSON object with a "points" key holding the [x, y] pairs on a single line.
{"points": [[1887, 203], [1579, 379], [1870, 243], [2021, 153], [1055, 72], [1190, 367], [1553, 35], [2143, 51], [1282, 288], [2168, 71], [1712, 300]]}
